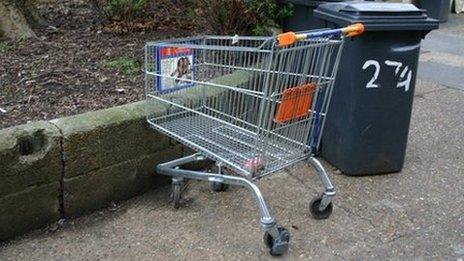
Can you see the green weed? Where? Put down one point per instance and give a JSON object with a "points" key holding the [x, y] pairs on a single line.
{"points": [[4, 47], [127, 65]]}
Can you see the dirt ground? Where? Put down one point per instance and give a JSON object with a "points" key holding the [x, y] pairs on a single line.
{"points": [[64, 71]]}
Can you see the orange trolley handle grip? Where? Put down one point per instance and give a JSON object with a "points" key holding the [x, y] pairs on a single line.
{"points": [[290, 38]]}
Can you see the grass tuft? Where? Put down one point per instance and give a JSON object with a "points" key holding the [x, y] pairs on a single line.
{"points": [[127, 65], [4, 47]]}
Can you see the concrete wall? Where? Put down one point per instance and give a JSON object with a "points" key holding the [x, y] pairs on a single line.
{"points": [[73, 165], [30, 176]]}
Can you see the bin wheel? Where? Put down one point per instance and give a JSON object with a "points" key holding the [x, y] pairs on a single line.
{"points": [[176, 194], [316, 212], [219, 186], [277, 246]]}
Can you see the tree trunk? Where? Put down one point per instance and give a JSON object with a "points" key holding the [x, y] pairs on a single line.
{"points": [[17, 18]]}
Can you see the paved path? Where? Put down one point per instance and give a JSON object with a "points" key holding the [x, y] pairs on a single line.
{"points": [[415, 214], [442, 58]]}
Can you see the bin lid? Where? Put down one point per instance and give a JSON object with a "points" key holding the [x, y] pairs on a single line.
{"points": [[377, 16]]}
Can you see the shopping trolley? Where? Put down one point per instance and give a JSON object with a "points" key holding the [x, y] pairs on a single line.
{"points": [[254, 105]]}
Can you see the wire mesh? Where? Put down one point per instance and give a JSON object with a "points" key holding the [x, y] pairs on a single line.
{"points": [[222, 96]]}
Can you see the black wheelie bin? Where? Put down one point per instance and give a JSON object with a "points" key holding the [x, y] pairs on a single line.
{"points": [[303, 18], [438, 9], [367, 125]]}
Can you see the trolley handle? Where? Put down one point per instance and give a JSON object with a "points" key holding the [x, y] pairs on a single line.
{"points": [[290, 38]]}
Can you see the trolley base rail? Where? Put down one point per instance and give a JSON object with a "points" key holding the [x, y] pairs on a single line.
{"points": [[276, 237]]}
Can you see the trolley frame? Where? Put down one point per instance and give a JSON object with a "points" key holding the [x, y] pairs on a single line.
{"points": [[239, 130]]}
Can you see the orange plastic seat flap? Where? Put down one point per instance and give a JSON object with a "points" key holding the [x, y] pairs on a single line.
{"points": [[296, 102]]}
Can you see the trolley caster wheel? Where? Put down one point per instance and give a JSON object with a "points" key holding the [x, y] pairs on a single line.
{"points": [[219, 186], [176, 194], [277, 246], [316, 212]]}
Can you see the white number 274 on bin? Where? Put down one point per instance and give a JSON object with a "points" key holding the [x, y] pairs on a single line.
{"points": [[404, 73]]}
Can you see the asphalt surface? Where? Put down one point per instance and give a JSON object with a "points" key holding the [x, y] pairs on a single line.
{"points": [[415, 214], [443, 54]]}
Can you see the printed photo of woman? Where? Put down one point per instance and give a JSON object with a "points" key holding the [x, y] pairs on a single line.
{"points": [[183, 70]]}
